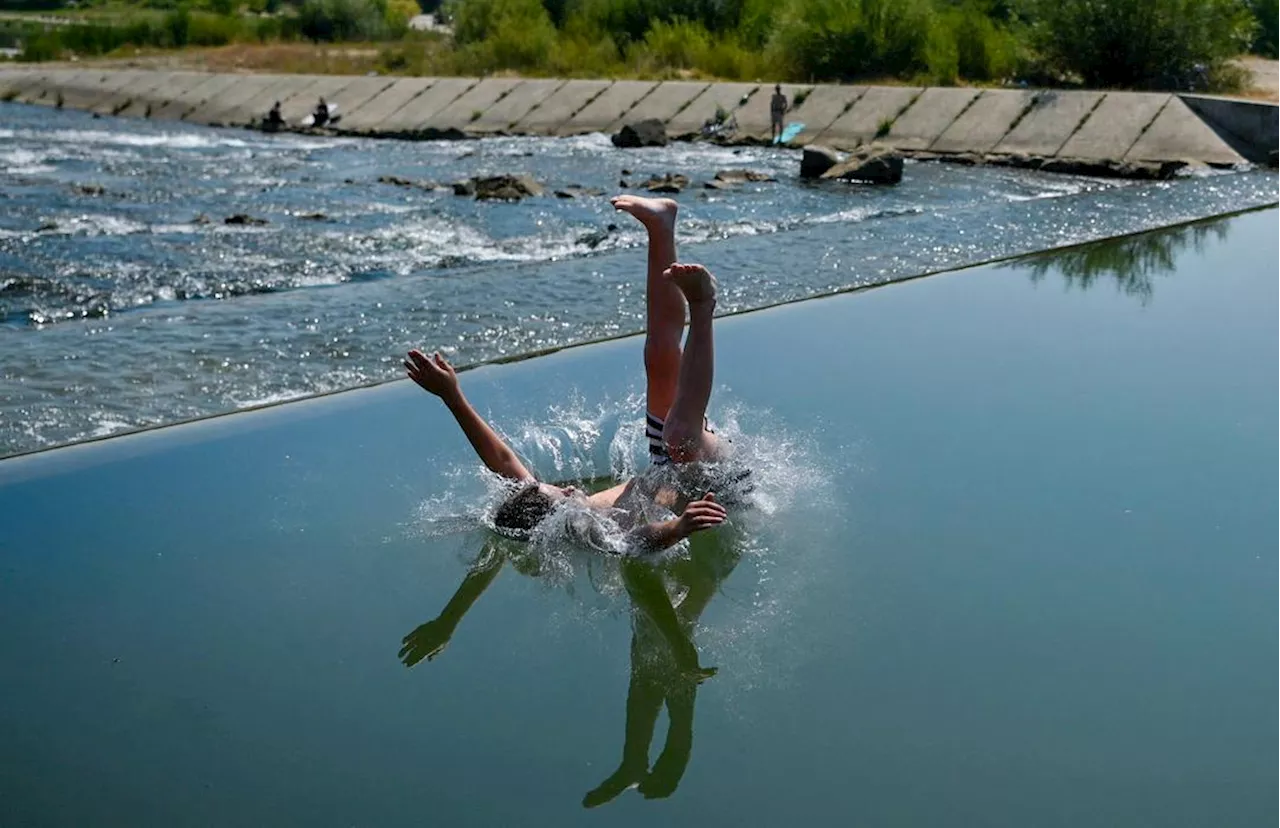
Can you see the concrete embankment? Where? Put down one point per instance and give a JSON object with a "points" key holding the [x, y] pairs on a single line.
{"points": [[1048, 128]]}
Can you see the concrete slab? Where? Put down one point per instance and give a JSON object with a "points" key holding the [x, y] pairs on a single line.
{"points": [[1177, 133], [418, 112], [511, 108], [820, 109], [385, 104], [602, 112], [662, 103], [1114, 126], [863, 120], [228, 105], [177, 109], [135, 81], [1051, 122], [11, 81], [298, 101], [138, 86], [1251, 128], [94, 87], [985, 123], [359, 92], [32, 88], [154, 96], [931, 114], [754, 119], [471, 105], [556, 110], [50, 88], [288, 88], [727, 96]]}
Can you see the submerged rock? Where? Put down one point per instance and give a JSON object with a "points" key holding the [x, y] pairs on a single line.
{"points": [[817, 160], [245, 219], [90, 189], [718, 184], [650, 132], [575, 191], [499, 187], [669, 183], [872, 165], [742, 176], [407, 182]]}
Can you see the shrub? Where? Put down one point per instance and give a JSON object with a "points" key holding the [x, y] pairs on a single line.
{"points": [[1145, 44], [503, 34], [848, 39], [330, 20], [398, 15], [478, 20], [1264, 42], [984, 51]]}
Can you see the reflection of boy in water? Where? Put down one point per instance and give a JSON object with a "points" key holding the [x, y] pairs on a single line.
{"points": [[666, 603], [678, 390]]}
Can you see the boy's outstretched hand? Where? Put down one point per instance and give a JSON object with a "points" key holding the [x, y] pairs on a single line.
{"points": [[433, 373], [701, 514]]}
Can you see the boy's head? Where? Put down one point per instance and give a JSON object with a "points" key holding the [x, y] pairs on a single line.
{"points": [[529, 506]]}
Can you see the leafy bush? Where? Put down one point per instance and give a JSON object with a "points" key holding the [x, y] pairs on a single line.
{"points": [[1264, 43], [1144, 44], [983, 50], [503, 34], [848, 39], [331, 20]]}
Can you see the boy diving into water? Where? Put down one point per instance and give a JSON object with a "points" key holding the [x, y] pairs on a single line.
{"points": [[678, 389]]}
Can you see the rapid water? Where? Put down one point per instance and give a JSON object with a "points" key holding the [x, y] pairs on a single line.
{"points": [[126, 301]]}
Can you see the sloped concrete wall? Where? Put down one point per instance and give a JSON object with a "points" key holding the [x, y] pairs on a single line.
{"points": [[606, 110], [717, 96], [510, 108], [820, 109], [1251, 127], [930, 115], [1114, 126], [980, 127], [394, 98], [557, 108], [663, 103], [864, 121], [996, 123], [1052, 120]]}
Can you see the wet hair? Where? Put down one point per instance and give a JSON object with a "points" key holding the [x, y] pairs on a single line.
{"points": [[524, 509]]}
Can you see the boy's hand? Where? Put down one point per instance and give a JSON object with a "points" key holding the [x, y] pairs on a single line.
{"points": [[432, 373], [701, 514]]}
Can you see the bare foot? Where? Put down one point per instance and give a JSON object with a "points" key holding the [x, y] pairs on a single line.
{"points": [[650, 211], [695, 282]]}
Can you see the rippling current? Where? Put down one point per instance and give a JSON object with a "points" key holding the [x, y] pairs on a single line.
{"points": [[127, 301]]}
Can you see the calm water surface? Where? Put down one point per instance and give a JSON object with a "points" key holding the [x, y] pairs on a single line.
{"points": [[1011, 562], [125, 300]]}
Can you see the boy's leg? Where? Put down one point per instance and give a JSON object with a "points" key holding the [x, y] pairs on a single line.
{"points": [[664, 303], [685, 433]]}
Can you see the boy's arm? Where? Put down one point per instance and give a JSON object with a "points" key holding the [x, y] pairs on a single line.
{"points": [[437, 376], [697, 516]]}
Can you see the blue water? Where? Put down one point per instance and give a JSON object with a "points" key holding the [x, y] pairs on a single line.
{"points": [[1013, 563], [136, 305]]}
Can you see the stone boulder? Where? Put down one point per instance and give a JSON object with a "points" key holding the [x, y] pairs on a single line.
{"points": [[670, 183], [871, 165], [499, 187], [817, 160], [244, 219], [742, 176], [650, 132]]}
